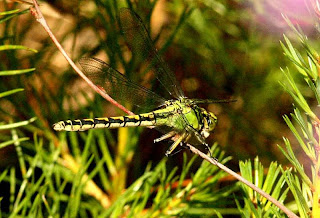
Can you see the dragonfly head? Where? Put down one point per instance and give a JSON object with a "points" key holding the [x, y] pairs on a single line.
{"points": [[209, 123]]}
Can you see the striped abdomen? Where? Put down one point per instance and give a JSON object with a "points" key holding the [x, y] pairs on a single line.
{"points": [[147, 119]]}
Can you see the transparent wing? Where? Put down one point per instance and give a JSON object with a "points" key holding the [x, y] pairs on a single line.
{"points": [[118, 86], [139, 41]]}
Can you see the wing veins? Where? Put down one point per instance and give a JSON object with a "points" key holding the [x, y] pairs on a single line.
{"points": [[117, 85], [139, 41]]}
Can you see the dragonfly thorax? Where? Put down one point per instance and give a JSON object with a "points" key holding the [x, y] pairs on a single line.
{"points": [[198, 118]]}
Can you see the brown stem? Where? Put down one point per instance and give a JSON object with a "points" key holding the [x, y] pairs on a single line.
{"points": [[38, 15]]}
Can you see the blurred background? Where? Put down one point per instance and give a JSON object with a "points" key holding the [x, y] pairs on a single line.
{"points": [[218, 49]]}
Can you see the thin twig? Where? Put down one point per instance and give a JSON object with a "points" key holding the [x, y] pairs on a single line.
{"points": [[38, 15], [243, 180]]}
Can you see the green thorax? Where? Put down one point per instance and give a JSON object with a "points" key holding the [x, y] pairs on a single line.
{"points": [[180, 113]]}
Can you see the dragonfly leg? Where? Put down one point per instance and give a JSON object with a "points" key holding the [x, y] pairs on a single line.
{"points": [[165, 136], [176, 143], [200, 138], [182, 146], [208, 148], [214, 158]]}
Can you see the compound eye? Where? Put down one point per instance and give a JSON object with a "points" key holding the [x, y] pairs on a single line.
{"points": [[213, 117], [208, 120]]}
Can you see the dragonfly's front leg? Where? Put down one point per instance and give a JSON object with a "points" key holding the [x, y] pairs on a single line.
{"points": [[165, 136], [182, 138], [200, 138]]}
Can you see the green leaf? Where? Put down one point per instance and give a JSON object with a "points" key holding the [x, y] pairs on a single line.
{"points": [[303, 145], [7, 143], [11, 92], [9, 12], [295, 190], [297, 95], [15, 72], [16, 47], [17, 124], [292, 158], [272, 184]]}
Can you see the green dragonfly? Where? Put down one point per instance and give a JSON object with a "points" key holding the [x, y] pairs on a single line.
{"points": [[180, 118]]}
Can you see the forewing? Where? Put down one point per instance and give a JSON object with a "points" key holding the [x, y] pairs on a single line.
{"points": [[140, 43], [118, 86]]}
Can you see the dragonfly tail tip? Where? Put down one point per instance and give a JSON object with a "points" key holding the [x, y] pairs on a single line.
{"points": [[58, 126]]}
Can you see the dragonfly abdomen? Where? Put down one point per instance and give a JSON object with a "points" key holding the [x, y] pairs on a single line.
{"points": [[147, 119]]}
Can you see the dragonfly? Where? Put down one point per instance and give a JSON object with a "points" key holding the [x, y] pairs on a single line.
{"points": [[179, 118]]}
